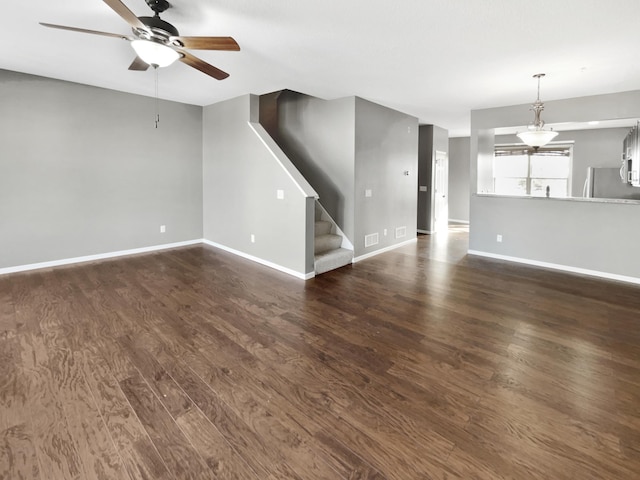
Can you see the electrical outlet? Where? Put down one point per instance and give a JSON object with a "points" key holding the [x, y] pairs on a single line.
{"points": [[499, 238], [253, 238], [368, 192], [163, 228]]}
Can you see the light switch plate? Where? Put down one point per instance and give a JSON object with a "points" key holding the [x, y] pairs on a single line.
{"points": [[367, 192], [280, 194]]}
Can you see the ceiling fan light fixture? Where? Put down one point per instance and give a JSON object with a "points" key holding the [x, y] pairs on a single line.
{"points": [[537, 136], [154, 53], [157, 43]]}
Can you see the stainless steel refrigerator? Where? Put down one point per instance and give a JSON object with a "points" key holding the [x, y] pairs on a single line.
{"points": [[607, 183]]}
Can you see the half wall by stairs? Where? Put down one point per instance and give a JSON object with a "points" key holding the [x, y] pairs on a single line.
{"points": [[331, 249]]}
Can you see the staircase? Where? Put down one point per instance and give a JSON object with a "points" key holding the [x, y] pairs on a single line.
{"points": [[329, 244]]}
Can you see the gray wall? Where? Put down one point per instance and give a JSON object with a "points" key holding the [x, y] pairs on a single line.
{"points": [[346, 146], [600, 147], [576, 234], [240, 179], [459, 158], [83, 171], [319, 138], [386, 145]]}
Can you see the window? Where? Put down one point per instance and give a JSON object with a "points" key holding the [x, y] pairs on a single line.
{"points": [[521, 171]]}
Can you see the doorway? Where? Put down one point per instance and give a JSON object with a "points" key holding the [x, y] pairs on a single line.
{"points": [[440, 203]]}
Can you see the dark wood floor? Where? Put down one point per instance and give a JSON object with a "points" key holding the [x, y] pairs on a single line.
{"points": [[421, 363]]}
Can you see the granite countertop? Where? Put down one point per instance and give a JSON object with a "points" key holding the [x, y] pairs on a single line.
{"points": [[565, 199]]}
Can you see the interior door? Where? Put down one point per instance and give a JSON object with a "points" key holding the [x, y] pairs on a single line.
{"points": [[441, 193]]}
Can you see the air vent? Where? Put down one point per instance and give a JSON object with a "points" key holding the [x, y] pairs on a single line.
{"points": [[401, 232], [370, 240]]}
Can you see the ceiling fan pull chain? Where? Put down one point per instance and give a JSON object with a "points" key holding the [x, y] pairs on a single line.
{"points": [[155, 67]]}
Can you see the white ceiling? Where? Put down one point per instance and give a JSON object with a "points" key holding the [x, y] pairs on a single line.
{"points": [[435, 59]]}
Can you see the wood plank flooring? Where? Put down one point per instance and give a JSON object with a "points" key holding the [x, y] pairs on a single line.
{"points": [[420, 363]]}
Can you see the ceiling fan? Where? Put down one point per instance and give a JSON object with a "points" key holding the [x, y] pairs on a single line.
{"points": [[157, 43]]}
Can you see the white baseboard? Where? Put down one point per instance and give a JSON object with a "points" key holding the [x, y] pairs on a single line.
{"points": [[302, 276], [455, 220], [426, 232], [93, 258], [383, 250], [555, 266], [134, 251]]}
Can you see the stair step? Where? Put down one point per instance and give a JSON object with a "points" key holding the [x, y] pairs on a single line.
{"points": [[326, 242], [322, 227], [333, 259]]}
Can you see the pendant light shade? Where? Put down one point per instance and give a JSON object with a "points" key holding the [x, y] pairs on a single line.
{"points": [[154, 53], [537, 136]]}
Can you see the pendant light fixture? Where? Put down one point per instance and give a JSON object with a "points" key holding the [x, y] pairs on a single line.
{"points": [[536, 136]]}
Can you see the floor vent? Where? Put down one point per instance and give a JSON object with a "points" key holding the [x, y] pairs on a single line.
{"points": [[401, 232], [370, 240]]}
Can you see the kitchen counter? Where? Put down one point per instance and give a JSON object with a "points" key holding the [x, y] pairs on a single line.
{"points": [[592, 236], [566, 199]]}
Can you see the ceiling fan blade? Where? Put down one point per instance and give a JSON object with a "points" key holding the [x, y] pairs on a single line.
{"points": [[84, 30], [138, 65], [203, 66], [126, 14], [207, 43]]}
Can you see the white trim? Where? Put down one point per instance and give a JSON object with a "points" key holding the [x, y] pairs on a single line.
{"points": [[302, 276], [426, 232], [285, 163], [346, 243], [383, 250], [455, 220], [555, 266], [134, 251], [93, 258]]}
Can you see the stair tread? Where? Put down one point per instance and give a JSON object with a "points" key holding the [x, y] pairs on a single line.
{"points": [[335, 251], [329, 235], [328, 251], [332, 259]]}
